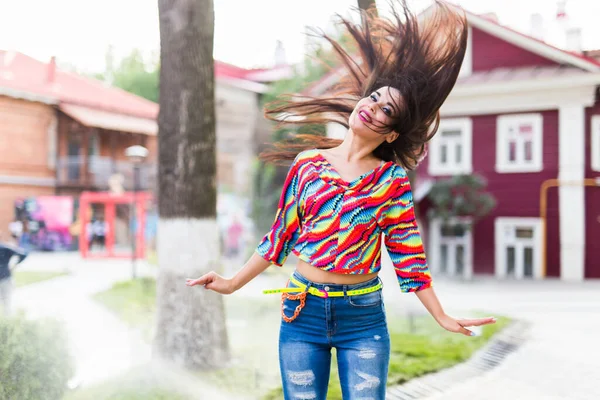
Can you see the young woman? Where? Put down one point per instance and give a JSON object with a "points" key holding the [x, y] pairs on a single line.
{"points": [[340, 195]]}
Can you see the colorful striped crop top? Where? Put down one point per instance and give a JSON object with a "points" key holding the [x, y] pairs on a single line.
{"points": [[336, 225]]}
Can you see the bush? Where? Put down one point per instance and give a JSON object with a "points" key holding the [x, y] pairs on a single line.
{"points": [[34, 360]]}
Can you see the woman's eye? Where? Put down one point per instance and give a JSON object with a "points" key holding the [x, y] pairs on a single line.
{"points": [[387, 111], [373, 97]]}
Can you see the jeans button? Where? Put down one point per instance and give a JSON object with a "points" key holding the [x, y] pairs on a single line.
{"points": [[326, 288]]}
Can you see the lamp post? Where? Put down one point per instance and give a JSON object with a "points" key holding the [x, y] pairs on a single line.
{"points": [[136, 154]]}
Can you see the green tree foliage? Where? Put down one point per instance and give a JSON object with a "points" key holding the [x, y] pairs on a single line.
{"points": [[266, 196], [268, 179], [133, 74], [461, 196]]}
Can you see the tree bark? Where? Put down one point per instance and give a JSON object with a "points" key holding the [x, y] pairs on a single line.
{"points": [[367, 5], [191, 327]]}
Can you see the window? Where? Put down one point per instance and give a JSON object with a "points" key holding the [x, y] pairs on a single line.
{"points": [[595, 142], [519, 143], [450, 148], [518, 248], [94, 160], [451, 245], [94, 144]]}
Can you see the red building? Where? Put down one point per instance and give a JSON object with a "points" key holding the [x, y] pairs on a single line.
{"points": [[524, 114], [63, 133]]}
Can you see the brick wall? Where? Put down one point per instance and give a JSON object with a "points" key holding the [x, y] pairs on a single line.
{"points": [[25, 146], [24, 138]]}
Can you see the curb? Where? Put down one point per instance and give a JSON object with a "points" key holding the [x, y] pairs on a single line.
{"points": [[485, 359]]}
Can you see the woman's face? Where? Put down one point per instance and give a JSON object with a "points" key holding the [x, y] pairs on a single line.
{"points": [[373, 115]]}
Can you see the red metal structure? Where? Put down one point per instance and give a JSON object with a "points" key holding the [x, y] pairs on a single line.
{"points": [[109, 201]]}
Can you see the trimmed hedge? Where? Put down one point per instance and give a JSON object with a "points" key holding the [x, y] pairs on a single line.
{"points": [[34, 359]]}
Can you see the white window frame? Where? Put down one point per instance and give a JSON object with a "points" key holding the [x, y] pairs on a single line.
{"points": [[502, 163], [500, 244], [435, 167], [435, 241], [595, 142]]}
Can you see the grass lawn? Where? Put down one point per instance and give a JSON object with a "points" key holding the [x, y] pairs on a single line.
{"points": [[133, 301], [22, 278], [130, 386], [117, 392], [418, 348]]}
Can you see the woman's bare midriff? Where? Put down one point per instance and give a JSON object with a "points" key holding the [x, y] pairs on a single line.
{"points": [[319, 276]]}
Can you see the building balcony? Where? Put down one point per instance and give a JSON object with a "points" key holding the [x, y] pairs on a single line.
{"points": [[95, 173]]}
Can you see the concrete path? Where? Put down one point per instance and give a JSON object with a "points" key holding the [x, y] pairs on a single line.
{"points": [[560, 359], [102, 345]]}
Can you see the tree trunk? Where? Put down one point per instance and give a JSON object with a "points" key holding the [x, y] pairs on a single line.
{"points": [[191, 327], [367, 5]]}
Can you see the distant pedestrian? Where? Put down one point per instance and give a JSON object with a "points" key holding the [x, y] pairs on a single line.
{"points": [[97, 233], [8, 252], [25, 238], [233, 241]]}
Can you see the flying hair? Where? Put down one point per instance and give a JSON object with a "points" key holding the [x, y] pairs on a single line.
{"points": [[420, 58]]}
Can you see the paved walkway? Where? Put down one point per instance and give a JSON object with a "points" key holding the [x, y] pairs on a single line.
{"points": [[103, 346], [560, 359]]}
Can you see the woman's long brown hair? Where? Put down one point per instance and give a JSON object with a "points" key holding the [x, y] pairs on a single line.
{"points": [[420, 59]]}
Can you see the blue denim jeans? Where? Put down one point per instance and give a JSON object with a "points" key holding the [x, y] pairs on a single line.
{"points": [[354, 325]]}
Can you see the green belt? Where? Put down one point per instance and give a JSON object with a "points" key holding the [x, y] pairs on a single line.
{"points": [[322, 293]]}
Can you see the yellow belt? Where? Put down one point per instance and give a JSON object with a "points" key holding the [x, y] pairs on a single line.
{"points": [[322, 293]]}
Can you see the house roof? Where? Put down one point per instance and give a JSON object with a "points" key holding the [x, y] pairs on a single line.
{"points": [[532, 44], [223, 69], [270, 74], [492, 27], [38, 80], [595, 54], [507, 75], [109, 120], [24, 77], [253, 80]]}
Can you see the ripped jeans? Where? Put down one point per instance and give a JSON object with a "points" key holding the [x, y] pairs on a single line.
{"points": [[354, 325]]}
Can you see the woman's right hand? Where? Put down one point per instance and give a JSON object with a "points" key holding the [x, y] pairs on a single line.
{"points": [[213, 281]]}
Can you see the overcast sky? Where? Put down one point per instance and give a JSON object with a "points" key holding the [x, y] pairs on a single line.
{"points": [[79, 31]]}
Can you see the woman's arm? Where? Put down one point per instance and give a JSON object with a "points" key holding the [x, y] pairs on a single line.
{"points": [[253, 267], [275, 246], [432, 304]]}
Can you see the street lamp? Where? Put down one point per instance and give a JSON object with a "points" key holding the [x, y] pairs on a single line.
{"points": [[136, 154]]}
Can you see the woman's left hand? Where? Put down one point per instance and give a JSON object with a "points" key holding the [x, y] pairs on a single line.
{"points": [[458, 325]]}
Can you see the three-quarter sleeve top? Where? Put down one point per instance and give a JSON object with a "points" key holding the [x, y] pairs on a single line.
{"points": [[337, 226]]}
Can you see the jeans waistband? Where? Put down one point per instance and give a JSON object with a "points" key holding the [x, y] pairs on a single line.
{"points": [[335, 287]]}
